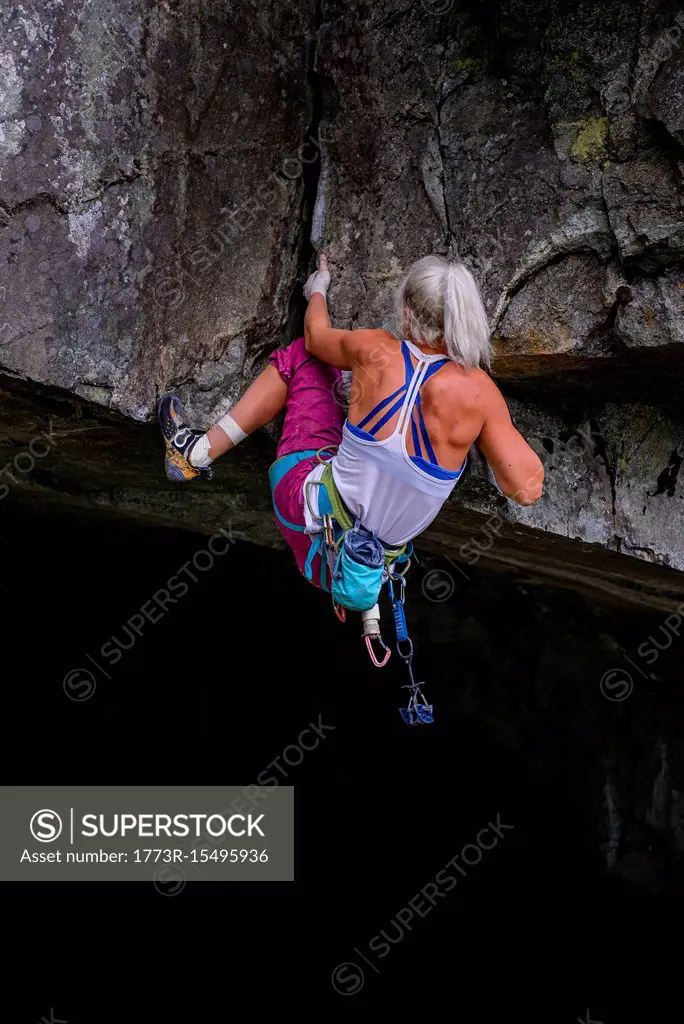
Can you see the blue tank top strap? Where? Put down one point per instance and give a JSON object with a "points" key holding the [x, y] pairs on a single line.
{"points": [[426, 437], [432, 369], [416, 438], [379, 407], [398, 397], [388, 415], [398, 394]]}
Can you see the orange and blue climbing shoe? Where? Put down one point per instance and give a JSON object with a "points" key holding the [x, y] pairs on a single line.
{"points": [[179, 440]]}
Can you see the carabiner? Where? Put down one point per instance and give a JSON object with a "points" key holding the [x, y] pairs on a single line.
{"points": [[408, 655], [340, 611], [329, 531], [369, 646], [393, 578]]}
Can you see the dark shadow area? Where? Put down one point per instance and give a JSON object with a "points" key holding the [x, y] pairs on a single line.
{"points": [[214, 693]]}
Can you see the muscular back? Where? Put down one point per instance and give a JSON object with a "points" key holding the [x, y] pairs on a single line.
{"points": [[451, 400], [461, 407]]}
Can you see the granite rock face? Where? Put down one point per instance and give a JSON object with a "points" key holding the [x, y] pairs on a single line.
{"points": [[515, 139], [152, 161], [167, 172]]}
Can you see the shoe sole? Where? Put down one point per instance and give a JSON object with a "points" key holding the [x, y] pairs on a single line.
{"points": [[178, 469]]}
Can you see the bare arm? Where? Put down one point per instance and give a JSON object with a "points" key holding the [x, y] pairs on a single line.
{"points": [[517, 468], [329, 344]]}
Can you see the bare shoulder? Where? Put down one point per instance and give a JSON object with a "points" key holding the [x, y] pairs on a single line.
{"points": [[371, 343], [366, 334], [474, 386], [372, 336], [485, 390]]}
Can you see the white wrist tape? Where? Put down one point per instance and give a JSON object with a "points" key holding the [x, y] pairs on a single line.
{"points": [[230, 427], [320, 287], [318, 282]]}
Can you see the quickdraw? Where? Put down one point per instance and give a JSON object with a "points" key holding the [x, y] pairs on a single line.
{"points": [[417, 711]]}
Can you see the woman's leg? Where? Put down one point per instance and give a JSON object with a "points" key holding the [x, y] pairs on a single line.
{"points": [[298, 382], [190, 453], [315, 411], [261, 403], [310, 392], [314, 415], [294, 380]]}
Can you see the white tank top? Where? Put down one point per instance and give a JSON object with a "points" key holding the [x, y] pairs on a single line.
{"points": [[393, 493]]}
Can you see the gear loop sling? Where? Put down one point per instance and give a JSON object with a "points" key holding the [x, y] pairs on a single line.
{"points": [[354, 566]]}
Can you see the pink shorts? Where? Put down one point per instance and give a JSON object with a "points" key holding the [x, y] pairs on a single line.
{"points": [[314, 416]]}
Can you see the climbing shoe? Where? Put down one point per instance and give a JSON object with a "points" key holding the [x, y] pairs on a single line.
{"points": [[179, 440]]}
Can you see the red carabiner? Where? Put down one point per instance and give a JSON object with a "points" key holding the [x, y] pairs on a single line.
{"points": [[369, 646]]}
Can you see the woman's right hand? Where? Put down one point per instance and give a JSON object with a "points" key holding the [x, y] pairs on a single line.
{"points": [[319, 280]]}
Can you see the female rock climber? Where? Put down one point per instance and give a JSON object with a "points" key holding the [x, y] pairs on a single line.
{"points": [[349, 495], [416, 407]]}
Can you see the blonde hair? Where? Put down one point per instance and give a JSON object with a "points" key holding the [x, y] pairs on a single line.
{"points": [[440, 301]]}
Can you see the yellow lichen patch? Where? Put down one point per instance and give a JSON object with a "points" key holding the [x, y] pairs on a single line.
{"points": [[576, 70], [591, 143], [464, 65], [649, 315], [533, 341]]}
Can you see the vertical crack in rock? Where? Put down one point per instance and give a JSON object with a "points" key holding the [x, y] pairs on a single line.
{"points": [[443, 158], [305, 245]]}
